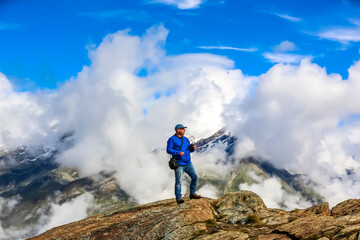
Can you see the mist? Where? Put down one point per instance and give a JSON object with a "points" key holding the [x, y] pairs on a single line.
{"points": [[50, 216]]}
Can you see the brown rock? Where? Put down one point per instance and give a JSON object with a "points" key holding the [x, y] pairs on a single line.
{"points": [[320, 209], [274, 217], [160, 220], [224, 235], [241, 215], [350, 219], [311, 227], [348, 207], [347, 231], [355, 236], [238, 207], [274, 236]]}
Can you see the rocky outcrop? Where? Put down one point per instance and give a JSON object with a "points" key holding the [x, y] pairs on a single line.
{"points": [[236, 208], [241, 215]]}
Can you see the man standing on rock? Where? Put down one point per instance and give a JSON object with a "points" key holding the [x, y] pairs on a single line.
{"points": [[184, 160]]}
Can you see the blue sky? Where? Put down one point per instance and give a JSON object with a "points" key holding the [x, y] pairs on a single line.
{"points": [[44, 42]]}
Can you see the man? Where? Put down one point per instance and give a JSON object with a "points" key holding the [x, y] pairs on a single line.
{"points": [[184, 161]]}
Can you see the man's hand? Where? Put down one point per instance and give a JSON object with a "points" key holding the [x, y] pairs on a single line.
{"points": [[194, 147], [182, 153]]}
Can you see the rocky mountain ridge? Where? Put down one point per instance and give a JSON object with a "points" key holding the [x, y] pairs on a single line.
{"points": [[240, 215], [31, 181]]}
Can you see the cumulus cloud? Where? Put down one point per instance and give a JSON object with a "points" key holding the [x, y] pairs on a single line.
{"points": [[292, 118], [181, 4], [117, 119], [25, 118]]}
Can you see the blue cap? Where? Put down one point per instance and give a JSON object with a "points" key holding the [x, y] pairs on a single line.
{"points": [[179, 126]]}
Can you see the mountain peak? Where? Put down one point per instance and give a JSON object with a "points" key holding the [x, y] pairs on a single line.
{"points": [[240, 215]]}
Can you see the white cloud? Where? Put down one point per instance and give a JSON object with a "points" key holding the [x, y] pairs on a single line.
{"points": [[208, 191], [283, 57], [288, 17], [273, 194], [181, 4], [285, 46], [49, 216], [8, 204], [105, 105], [283, 16], [12, 233], [292, 117], [68, 212], [245, 148], [343, 34], [24, 116], [230, 48]]}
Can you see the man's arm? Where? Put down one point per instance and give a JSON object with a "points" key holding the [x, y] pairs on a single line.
{"points": [[193, 148], [170, 148]]}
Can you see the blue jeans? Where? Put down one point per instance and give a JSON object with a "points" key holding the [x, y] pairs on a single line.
{"points": [[179, 175]]}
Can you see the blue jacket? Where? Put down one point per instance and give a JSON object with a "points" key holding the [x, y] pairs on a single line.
{"points": [[173, 145]]}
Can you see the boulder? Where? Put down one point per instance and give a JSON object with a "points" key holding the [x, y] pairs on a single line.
{"points": [[240, 207]]}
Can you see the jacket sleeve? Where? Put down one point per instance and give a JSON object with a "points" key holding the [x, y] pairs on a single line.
{"points": [[170, 148], [189, 147]]}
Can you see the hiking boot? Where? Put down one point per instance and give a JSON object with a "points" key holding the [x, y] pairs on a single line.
{"points": [[180, 201], [194, 196]]}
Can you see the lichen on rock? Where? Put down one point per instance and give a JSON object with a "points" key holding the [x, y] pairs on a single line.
{"points": [[237, 207]]}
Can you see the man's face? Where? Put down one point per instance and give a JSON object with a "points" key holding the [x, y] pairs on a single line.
{"points": [[180, 131]]}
